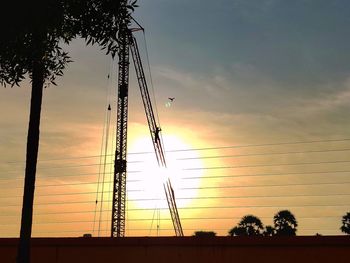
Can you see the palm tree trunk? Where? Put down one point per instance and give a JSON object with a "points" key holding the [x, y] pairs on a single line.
{"points": [[23, 255]]}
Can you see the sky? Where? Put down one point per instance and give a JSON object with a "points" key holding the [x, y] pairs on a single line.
{"points": [[258, 74]]}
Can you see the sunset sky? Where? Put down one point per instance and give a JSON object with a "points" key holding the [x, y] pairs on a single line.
{"points": [[243, 73]]}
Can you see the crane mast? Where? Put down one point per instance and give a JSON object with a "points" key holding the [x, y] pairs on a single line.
{"points": [[120, 163], [128, 43]]}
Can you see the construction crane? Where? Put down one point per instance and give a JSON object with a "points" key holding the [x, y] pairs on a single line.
{"points": [[128, 43]]}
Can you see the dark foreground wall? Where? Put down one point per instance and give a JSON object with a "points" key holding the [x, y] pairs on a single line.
{"points": [[335, 249]]}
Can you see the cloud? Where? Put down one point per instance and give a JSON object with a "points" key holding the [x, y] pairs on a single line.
{"points": [[335, 98], [242, 104]]}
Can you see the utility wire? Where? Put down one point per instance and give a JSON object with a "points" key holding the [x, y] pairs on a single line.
{"points": [[220, 167], [240, 207], [41, 213], [223, 187], [8, 181], [262, 154], [262, 165], [195, 198], [163, 219], [186, 188], [196, 149]]}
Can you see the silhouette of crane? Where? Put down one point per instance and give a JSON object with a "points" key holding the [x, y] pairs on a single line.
{"points": [[128, 43]]}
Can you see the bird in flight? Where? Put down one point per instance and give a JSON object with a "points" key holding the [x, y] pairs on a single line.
{"points": [[171, 99]]}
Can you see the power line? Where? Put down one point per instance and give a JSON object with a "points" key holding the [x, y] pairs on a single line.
{"points": [[83, 202], [208, 168], [262, 154], [73, 166], [244, 186], [162, 219], [61, 175], [262, 165], [260, 145], [266, 174], [7, 181], [271, 185], [195, 149], [239, 207], [184, 198], [40, 213]]}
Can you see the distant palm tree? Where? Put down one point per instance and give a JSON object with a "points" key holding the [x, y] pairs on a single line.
{"points": [[285, 223], [345, 228], [269, 231], [248, 226]]}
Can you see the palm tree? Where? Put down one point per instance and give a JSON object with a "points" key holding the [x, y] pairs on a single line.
{"points": [[269, 231], [248, 226], [285, 223], [31, 35], [345, 228]]}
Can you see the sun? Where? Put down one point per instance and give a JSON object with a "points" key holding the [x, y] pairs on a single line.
{"points": [[145, 186]]}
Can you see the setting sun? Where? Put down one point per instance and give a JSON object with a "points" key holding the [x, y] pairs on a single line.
{"points": [[146, 178]]}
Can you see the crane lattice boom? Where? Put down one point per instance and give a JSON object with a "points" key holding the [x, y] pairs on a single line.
{"points": [[129, 43], [155, 134]]}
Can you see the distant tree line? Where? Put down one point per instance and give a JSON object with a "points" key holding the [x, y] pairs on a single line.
{"points": [[285, 224], [345, 228], [204, 234], [284, 221]]}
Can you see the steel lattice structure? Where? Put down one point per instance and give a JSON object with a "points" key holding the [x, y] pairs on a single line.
{"points": [[120, 163], [128, 42]]}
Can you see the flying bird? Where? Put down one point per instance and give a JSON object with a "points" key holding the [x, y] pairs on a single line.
{"points": [[171, 99]]}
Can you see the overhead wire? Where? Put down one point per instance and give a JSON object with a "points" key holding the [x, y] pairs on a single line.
{"points": [[261, 154], [168, 219], [202, 187], [342, 182], [163, 219], [192, 198], [191, 158], [198, 149], [334, 172], [40, 213], [193, 188], [263, 165]]}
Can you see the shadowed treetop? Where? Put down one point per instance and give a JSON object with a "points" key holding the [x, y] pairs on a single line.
{"points": [[345, 228], [32, 30], [248, 226], [285, 223]]}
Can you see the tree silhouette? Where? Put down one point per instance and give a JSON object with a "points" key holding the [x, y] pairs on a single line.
{"points": [[269, 231], [204, 234], [248, 226], [345, 228], [31, 35], [285, 223]]}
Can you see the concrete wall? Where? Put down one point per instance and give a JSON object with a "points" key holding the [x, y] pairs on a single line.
{"points": [[335, 249]]}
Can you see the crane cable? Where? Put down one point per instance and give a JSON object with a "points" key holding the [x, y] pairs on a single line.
{"points": [[150, 76], [113, 145], [104, 144], [153, 92], [156, 210], [104, 166]]}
